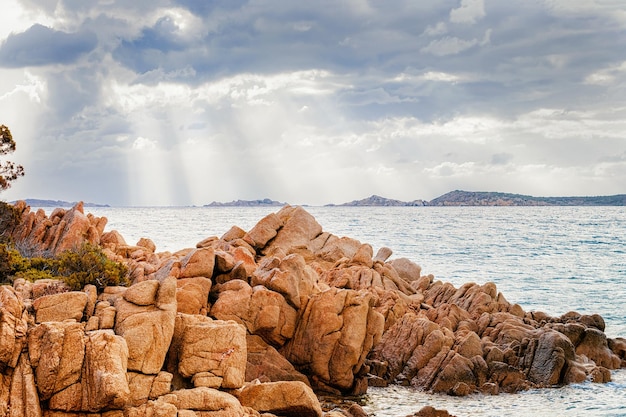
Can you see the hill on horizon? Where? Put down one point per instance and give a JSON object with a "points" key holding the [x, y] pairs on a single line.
{"points": [[452, 198], [486, 198], [378, 201], [266, 202], [35, 202]]}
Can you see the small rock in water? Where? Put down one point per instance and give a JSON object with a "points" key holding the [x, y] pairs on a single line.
{"points": [[429, 411]]}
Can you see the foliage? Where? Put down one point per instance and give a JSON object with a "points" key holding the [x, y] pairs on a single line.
{"points": [[89, 265], [9, 218], [6, 264], [77, 268], [9, 171]]}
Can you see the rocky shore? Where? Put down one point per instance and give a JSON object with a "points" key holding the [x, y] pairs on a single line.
{"points": [[260, 322]]}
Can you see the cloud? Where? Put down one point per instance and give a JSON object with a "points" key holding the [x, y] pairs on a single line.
{"points": [[441, 76], [33, 87], [143, 144], [607, 76], [451, 45], [313, 102], [469, 12], [203, 7], [439, 29], [501, 158], [40, 45]]}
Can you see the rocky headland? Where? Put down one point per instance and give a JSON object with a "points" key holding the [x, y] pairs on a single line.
{"points": [[461, 198], [34, 202], [266, 202], [378, 201], [478, 198], [260, 322]]}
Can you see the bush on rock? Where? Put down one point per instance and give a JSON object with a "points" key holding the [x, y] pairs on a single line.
{"points": [[84, 265]]}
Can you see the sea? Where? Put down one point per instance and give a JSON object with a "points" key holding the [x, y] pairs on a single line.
{"points": [[550, 259]]}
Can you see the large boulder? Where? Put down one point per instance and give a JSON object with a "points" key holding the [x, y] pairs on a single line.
{"points": [[13, 327], [407, 269], [285, 398], [267, 365], [618, 347], [57, 352], [192, 295], [59, 307], [147, 387], [145, 318], [215, 349], [205, 399], [331, 248], [290, 228], [104, 380], [335, 333], [103, 383], [206, 352], [550, 354], [265, 230], [290, 276], [594, 345], [23, 399], [412, 337], [198, 263], [262, 311]]}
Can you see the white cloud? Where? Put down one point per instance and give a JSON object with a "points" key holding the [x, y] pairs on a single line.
{"points": [[239, 90], [302, 26], [470, 11], [448, 46], [441, 76], [436, 76], [607, 76], [33, 87], [144, 144], [189, 26], [439, 29], [609, 9], [451, 45], [451, 169], [16, 18]]}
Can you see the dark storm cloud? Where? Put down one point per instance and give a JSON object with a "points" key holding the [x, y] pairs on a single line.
{"points": [[287, 36], [41, 45], [514, 54]]}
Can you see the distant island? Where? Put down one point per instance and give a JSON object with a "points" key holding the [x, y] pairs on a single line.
{"points": [[378, 201], [473, 198], [453, 198], [34, 202], [266, 202], [469, 198]]}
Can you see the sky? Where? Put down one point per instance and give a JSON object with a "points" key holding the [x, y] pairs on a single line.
{"points": [[185, 102]]}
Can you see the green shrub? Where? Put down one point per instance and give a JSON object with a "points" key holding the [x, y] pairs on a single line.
{"points": [[6, 266], [9, 218], [77, 268], [35, 275], [89, 265]]}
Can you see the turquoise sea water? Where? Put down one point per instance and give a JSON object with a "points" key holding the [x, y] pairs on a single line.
{"points": [[551, 259]]}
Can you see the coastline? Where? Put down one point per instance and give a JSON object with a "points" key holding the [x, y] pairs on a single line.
{"points": [[350, 264]]}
